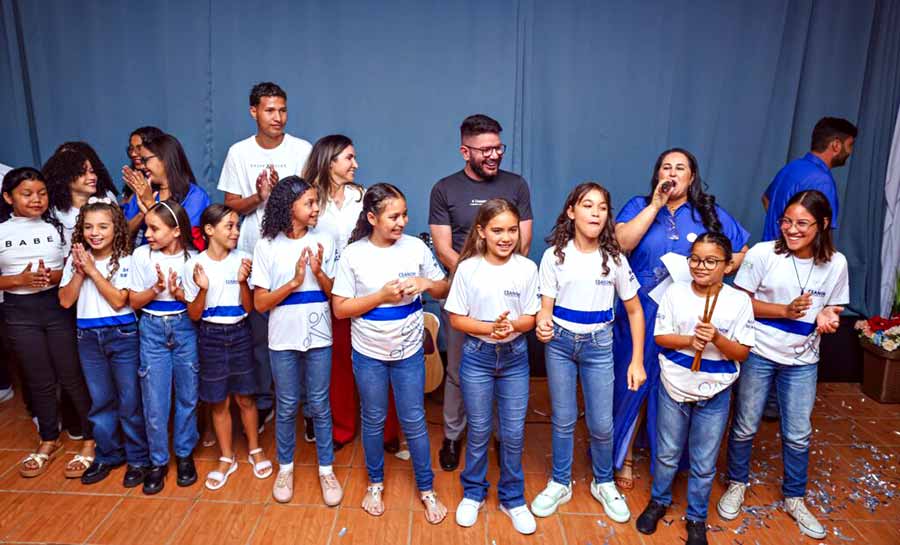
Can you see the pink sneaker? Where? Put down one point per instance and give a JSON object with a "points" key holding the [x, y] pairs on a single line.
{"points": [[332, 492], [283, 490]]}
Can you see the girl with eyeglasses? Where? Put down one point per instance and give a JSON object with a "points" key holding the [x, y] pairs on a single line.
{"points": [[293, 271], [798, 284], [669, 219], [694, 401]]}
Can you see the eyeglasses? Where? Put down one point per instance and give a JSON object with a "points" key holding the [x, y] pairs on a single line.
{"points": [[147, 158], [487, 152], [801, 225], [709, 263]]}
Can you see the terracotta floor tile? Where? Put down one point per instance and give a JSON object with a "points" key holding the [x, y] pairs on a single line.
{"points": [[448, 532], [242, 485], [18, 433], [862, 406], [142, 520], [356, 527], [218, 524], [584, 529], [289, 524], [884, 431], [500, 530], [878, 532], [59, 518]]}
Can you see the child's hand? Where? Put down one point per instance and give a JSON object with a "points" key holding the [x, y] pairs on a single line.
{"points": [[392, 292], [160, 285], [636, 375], [85, 260], [544, 328], [704, 332], [315, 259], [828, 320], [415, 285], [175, 286], [798, 307], [245, 270], [300, 267], [200, 277], [35, 279], [502, 327]]}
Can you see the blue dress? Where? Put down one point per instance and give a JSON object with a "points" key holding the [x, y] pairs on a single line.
{"points": [[667, 233], [194, 203]]}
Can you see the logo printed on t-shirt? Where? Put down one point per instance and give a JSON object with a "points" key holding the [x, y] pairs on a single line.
{"points": [[603, 282], [511, 293], [25, 242], [477, 202]]}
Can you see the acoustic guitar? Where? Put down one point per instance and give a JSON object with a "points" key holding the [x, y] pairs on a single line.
{"points": [[434, 366]]}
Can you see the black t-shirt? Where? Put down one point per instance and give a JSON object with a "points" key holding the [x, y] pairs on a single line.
{"points": [[456, 198]]}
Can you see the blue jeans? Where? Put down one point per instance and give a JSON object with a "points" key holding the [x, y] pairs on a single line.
{"points": [[487, 373], [588, 356], [109, 359], [407, 379], [702, 425], [291, 370], [795, 386], [169, 351]]}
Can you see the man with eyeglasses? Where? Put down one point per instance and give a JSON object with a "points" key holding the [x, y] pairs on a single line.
{"points": [[454, 203], [252, 168]]}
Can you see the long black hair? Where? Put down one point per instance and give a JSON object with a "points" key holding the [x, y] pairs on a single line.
{"points": [[278, 216], [701, 202], [318, 165], [816, 203], [173, 215], [564, 230], [105, 182], [375, 200], [12, 180], [212, 215], [168, 149]]}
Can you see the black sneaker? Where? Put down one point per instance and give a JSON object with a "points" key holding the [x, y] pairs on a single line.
{"points": [[646, 523], [449, 454], [392, 446], [265, 416], [97, 471], [696, 530], [155, 480], [134, 476], [187, 472], [309, 430]]}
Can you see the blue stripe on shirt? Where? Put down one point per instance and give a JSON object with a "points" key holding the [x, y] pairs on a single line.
{"points": [[583, 316], [106, 321], [383, 314], [165, 306], [789, 326], [707, 366], [227, 311], [304, 297]]}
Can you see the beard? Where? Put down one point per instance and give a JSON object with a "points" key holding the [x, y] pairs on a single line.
{"points": [[479, 170], [840, 160]]}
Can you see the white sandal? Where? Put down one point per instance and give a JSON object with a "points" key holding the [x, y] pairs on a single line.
{"points": [[373, 494], [83, 461], [41, 459], [218, 476], [261, 470]]}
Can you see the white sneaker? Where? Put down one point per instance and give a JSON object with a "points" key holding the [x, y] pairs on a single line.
{"points": [[522, 519], [729, 506], [6, 394], [808, 524], [612, 501], [467, 512], [283, 490], [550, 498]]}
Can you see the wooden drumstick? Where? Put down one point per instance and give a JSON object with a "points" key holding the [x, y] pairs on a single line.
{"points": [[707, 317]]}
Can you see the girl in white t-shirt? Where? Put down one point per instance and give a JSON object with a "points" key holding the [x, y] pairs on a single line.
{"points": [[581, 274], [798, 285], [219, 298], [693, 404], [41, 332], [380, 278], [292, 276], [168, 342], [493, 299], [96, 276]]}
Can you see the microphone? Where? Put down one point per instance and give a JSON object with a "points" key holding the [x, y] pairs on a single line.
{"points": [[667, 186]]}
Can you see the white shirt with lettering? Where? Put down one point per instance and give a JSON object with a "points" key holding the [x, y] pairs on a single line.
{"points": [[29, 240], [143, 276], [93, 310], [223, 297]]}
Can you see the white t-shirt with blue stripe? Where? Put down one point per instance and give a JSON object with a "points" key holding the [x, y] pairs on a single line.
{"points": [[387, 332], [143, 276], [679, 312], [93, 310], [223, 297], [778, 278], [483, 291], [584, 296], [303, 319]]}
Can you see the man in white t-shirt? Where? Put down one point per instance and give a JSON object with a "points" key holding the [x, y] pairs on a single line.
{"points": [[252, 167]]}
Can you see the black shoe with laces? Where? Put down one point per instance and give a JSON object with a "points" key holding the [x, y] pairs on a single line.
{"points": [[135, 475], [646, 523], [156, 480], [696, 530], [449, 454], [187, 472]]}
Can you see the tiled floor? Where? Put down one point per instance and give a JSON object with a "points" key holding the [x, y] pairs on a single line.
{"points": [[854, 471]]}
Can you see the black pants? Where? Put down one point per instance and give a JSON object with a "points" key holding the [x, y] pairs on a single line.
{"points": [[42, 335], [5, 356]]}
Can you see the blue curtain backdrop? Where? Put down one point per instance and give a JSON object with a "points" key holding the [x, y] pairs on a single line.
{"points": [[584, 89]]}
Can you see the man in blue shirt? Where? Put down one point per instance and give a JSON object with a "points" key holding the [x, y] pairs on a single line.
{"points": [[832, 144]]}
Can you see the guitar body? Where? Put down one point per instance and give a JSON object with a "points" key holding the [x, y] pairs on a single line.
{"points": [[434, 366]]}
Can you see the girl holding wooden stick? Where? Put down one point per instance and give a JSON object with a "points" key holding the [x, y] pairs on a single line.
{"points": [[715, 321]]}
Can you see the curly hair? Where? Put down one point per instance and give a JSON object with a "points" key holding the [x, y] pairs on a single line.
{"points": [[61, 169], [564, 230], [701, 202], [121, 244], [816, 203], [278, 216], [174, 216], [104, 180], [318, 165], [375, 200], [474, 244], [12, 180]]}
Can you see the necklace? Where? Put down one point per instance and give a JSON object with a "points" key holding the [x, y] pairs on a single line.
{"points": [[797, 274]]}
